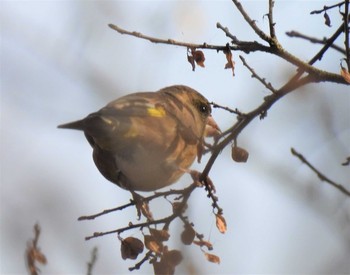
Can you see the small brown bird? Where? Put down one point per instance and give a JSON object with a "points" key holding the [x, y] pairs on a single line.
{"points": [[148, 140]]}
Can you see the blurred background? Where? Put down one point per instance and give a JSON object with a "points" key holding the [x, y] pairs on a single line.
{"points": [[60, 62]]}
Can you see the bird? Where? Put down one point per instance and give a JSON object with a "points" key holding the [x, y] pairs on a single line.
{"points": [[145, 141]]}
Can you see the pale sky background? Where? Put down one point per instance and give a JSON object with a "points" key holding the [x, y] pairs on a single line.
{"points": [[60, 62]]}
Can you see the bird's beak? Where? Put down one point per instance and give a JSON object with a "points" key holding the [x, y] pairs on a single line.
{"points": [[211, 128]]}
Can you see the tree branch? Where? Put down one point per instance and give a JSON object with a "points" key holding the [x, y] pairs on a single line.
{"points": [[325, 8], [315, 40], [271, 23], [167, 41], [321, 176], [251, 23], [255, 75], [346, 31]]}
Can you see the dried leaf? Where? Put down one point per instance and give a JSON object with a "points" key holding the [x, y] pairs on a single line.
{"points": [[142, 206], [195, 57], [239, 154], [190, 59], [39, 257], [212, 258], [230, 63], [160, 235], [204, 243], [172, 257], [152, 244], [198, 57], [221, 223], [327, 19], [131, 247], [345, 74], [145, 210], [161, 268], [187, 236]]}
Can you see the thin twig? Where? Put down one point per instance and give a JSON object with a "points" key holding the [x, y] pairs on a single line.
{"points": [[346, 32], [251, 22], [315, 40], [167, 41], [255, 75], [185, 194], [233, 111], [91, 217], [321, 176], [245, 47], [146, 199], [329, 43], [92, 261], [140, 263], [271, 23], [325, 8]]}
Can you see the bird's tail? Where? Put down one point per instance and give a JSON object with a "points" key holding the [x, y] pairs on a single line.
{"points": [[76, 125]]}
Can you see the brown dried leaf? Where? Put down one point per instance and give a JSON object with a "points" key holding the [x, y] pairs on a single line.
{"points": [[145, 210], [345, 74], [198, 57], [190, 59], [204, 243], [172, 257], [230, 63], [152, 244], [39, 257], [131, 247], [161, 268], [239, 154], [221, 223], [187, 236], [327, 19], [160, 235], [212, 258]]}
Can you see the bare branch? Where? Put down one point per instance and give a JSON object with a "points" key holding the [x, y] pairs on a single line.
{"points": [[248, 47], [315, 40], [91, 217], [325, 8], [255, 75], [329, 43], [235, 111], [271, 23], [252, 24], [321, 176], [140, 263], [167, 41], [346, 32], [92, 261]]}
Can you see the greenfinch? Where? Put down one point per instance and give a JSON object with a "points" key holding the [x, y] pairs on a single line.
{"points": [[148, 140]]}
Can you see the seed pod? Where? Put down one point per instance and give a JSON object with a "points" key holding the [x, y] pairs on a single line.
{"points": [[187, 236], [239, 154]]}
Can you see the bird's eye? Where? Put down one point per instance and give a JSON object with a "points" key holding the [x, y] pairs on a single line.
{"points": [[203, 108]]}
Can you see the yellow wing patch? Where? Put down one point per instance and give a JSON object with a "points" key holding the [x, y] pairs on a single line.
{"points": [[158, 111]]}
